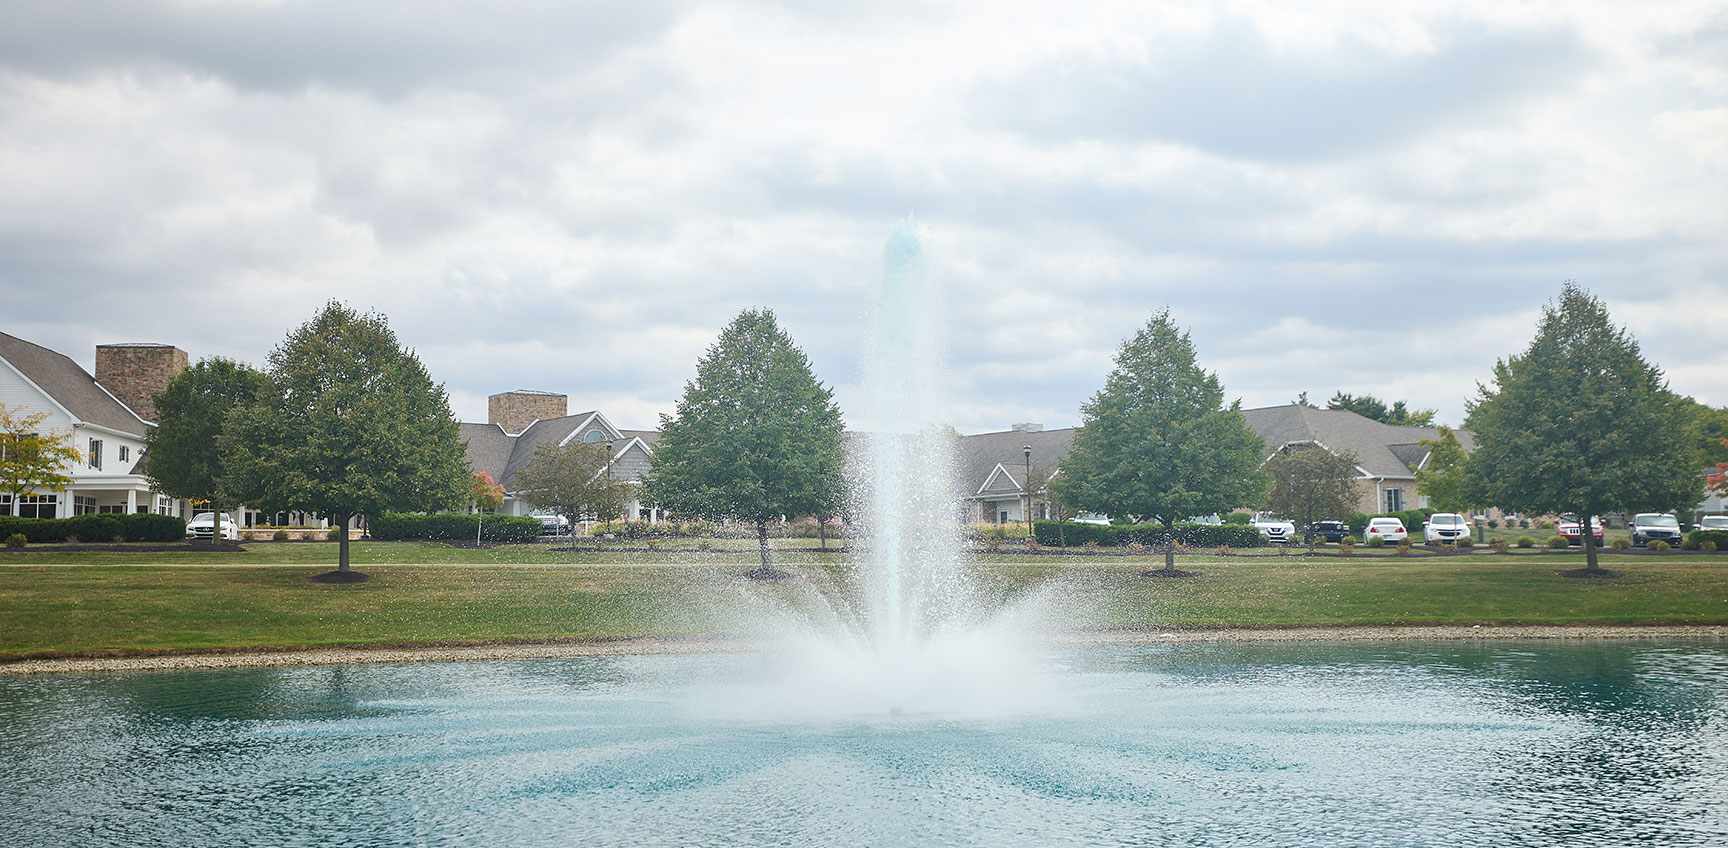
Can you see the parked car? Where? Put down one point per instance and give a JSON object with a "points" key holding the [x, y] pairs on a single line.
{"points": [[552, 524], [1569, 529], [1390, 529], [1445, 527], [1329, 531], [1647, 527], [1091, 518], [1274, 529], [200, 527], [1713, 522]]}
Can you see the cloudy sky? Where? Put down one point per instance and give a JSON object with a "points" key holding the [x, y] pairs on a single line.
{"points": [[575, 197]]}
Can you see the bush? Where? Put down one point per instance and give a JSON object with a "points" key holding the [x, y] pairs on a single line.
{"points": [[1403, 548], [248, 536], [1696, 538], [1558, 542], [1349, 540], [1526, 542], [1524, 524], [1493, 524], [1547, 525], [1239, 518], [1148, 535], [1347, 546], [136, 527], [280, 535], [16, 540], [1707, 546], [1466, 543], [452, 526], [1620, 544], [1498, 543], [1658, 545], [1376, 541]]}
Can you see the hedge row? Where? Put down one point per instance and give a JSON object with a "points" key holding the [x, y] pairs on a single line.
{"points": [[1697, 537], [97, 527], [1118, 535], [450, 526]]}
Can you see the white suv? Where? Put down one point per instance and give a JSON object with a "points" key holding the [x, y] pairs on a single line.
{"points": [[199, 527], [1273, 528], [1445, 527]]}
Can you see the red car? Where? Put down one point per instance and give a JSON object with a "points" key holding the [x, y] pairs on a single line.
{"points": [[1569, 529]]}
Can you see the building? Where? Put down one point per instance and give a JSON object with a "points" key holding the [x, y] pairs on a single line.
{"points": [[520, 421], [1387, 456], [102, 413]]}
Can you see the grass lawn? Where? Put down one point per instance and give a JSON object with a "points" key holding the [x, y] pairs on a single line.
{"points": [[133, 608]]}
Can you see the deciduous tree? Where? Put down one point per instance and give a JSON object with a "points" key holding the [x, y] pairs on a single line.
{"points": [[33, 458], [1580, 423], [1310, 484], [349, 423], [1158, 443], [1444, 479], [572, 481], [183, 455], [755, 437]]}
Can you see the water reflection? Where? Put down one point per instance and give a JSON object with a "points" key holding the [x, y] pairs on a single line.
{"points": [[1531, 744]]}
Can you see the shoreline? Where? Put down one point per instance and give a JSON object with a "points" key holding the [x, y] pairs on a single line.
{"points": [[668, 645]]}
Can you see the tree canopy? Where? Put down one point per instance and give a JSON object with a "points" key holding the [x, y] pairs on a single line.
{"points": [[1580, 423], [1157, 442], [183, 455], [755, 437], [572, 481], [1369, 406], [32, 458], [349, 423], [1444, 479], [1310, 484]]}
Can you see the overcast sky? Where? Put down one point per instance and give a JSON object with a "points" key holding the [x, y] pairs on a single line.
{"points": [[1374, 197]]}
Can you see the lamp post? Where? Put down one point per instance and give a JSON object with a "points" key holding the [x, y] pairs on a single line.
{"points": [[1027, 450]]}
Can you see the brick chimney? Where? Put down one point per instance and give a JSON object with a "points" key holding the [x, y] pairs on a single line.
{"points": [[135, 372], [514, 411]]}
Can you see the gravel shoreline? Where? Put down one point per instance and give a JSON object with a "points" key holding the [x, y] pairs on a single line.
{"points": [[661, 645]]}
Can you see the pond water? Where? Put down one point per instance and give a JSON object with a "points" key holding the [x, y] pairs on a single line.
{"points": [[1166, 744]]}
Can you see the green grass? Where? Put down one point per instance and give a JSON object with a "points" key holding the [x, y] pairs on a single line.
{"points": [[148, 608], [396, 553]]}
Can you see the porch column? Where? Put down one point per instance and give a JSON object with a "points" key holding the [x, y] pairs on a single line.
{"points": [[131, 501]]}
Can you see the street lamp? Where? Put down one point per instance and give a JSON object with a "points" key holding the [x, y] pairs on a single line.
{"points": [[1028, 451]]}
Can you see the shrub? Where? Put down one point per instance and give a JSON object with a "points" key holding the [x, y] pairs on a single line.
{"points": [[1033, 546], [1498, 543], [1090, 544], [1224, 550], [1149, 535], [1403, 548], [453, 526], [1466, 543], [1620, 544], [1493, 524], [280, 535], [16, 540], [1696, 539], [1239, 518], [334, 534], [1376, 541], [135, 527], [1349, 540], [1524, 524], [248, 536], [1347, 546], [1658, 545], [653, 544], [1558, 542], [1547, 525], [1526, 542], [1707, 546]]}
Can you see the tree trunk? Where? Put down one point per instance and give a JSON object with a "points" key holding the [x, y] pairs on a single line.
{"points": [[342, 543], [1061, 535], [479, 522], [822, 531], [762, 543], [1588, 539], [1170, 545]]}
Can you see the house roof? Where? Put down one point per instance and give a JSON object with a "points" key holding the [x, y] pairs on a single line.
{"points": [[69, 385], [979, 456], [500, 454], [1382, 450]]}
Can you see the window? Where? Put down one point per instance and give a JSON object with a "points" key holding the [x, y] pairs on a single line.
{"points": [[82, 505], [38, 506], [1394, 500], [125, 453], [163, 506], [5, 504], [96, 453], [593, 436]]}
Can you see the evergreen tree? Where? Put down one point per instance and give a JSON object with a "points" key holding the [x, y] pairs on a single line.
{"points": [[183, 456], [349, 423], [1157, 442], [1580, 423], [755, 438], [1369, 406]]}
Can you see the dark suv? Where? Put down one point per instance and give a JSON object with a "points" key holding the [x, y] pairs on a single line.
{"points": [[1330, 531], [1647, 527]]}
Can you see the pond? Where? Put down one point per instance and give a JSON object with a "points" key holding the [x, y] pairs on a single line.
{"points": [[1518, 743]]}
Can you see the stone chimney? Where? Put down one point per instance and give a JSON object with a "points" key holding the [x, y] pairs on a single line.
{"points": [[1027, 427], [136, 372], [514, 411]]}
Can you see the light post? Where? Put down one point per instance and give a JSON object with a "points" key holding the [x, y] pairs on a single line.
{"points": [[1027, 450]]}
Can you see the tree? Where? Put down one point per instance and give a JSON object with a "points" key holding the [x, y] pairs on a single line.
{"points": [[183, 456], [1443, 480], [1157, 441], [349, 423], [1369, 406], [1580, 423], [1311, 483], [572, 481], [755, 438], [1039, 483], [31, 459], [486, 495]]}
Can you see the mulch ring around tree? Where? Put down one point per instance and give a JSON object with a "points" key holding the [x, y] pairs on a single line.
{"points": [[1169, 572], [340, 577], [1588, 574]]}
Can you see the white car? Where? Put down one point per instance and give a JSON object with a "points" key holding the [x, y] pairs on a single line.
{"points": [[199, 527], [1274, 529], [1390, 529], [552, 524], [1091, 518], [1713, 522], [1445, 527]]}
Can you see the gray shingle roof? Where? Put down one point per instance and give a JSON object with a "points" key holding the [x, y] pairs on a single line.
{"points": [[979, 455], [70, 385], [1383, 450], [495, 452]]}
